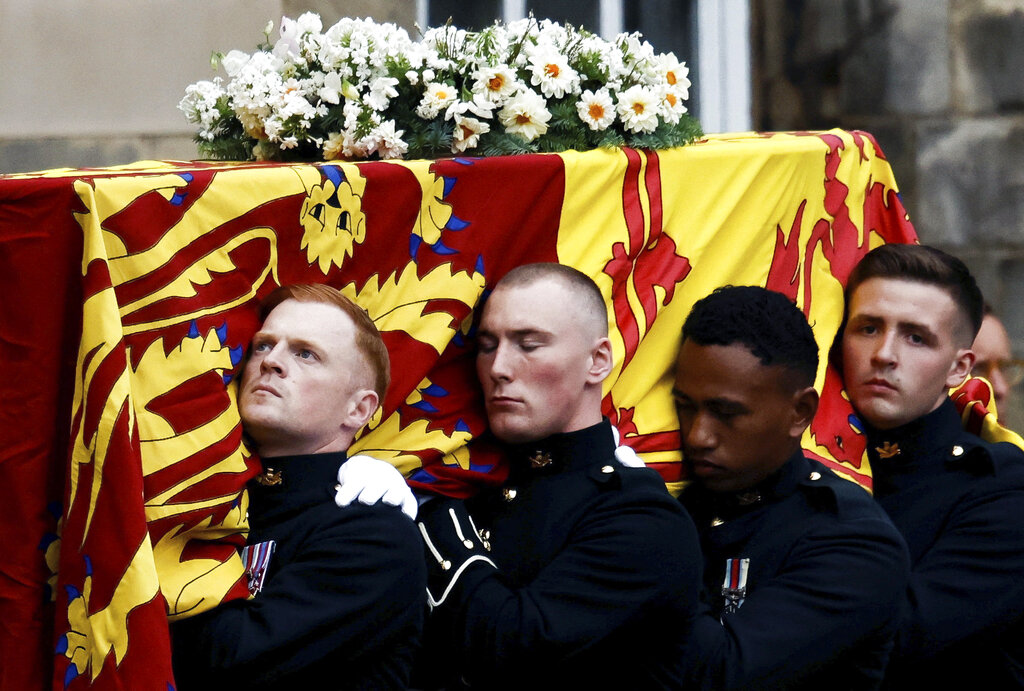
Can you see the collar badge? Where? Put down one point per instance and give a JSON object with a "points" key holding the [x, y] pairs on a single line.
{"points": [[270, 478], [888, 450], [540, 459]]}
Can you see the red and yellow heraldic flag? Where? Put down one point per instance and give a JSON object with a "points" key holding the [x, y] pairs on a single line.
{"points": [[130, 296]]}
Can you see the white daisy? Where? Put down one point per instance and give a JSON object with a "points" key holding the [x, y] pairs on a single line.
{"points": [[438, 95], [550, 71], [675, 74], [638, 109], [526, 115], [495, 83], [672, 107], [596, 109]]}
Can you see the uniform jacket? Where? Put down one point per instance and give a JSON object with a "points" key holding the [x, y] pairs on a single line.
{"points": [[343, 598], [597, 578], [959, 502], [826, 571]]}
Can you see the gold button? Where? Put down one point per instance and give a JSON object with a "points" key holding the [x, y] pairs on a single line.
{"points": [[509, 493], [815, 475], [958, 450], [607, 469], [715, 522], [468, 543], [445, 565]]}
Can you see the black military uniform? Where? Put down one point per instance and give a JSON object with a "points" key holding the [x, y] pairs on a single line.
{"points": [[596, 580], [959, 502], [802, 577], [342, 606]]}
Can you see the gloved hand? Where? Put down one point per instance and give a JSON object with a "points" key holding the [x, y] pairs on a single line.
{"points": [[371, 481], [453, 544], [625, 454]]}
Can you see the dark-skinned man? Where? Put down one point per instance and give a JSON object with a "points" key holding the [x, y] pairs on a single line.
{"points": [[802, 570], [912, 313]]}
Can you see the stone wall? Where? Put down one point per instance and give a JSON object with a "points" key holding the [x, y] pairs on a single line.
{"points": [[940, 83], [87, 84]]}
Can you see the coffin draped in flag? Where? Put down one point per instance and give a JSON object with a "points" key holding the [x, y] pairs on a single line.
{"points": [[159, 268]]}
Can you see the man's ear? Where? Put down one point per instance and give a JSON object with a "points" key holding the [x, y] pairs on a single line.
{"points": [[961, 367], [601, 360], [361, 408], [805, 405]]}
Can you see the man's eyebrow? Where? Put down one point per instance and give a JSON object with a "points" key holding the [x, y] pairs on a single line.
{"points": [[901, 324], [916, 326], [292, 342], [516, 333]]}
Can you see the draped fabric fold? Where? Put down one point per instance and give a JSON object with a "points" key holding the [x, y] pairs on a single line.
{"points": [[130, 296]]}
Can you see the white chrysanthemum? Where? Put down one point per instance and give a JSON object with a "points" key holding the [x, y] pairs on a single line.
{"points": [[550, 71], [495, 83], [638, 109], [333, 146], [467, 133], [596, 109], [525, 115], [382, 90], [385, 141], [437, 96]]}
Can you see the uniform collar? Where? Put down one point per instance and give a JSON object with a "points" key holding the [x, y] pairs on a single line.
{"points": [[776, 486], [569, 451], [930, 440], [302, 473]]}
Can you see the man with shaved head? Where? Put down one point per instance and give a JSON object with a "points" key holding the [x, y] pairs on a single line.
{"points": [[578, 572], [337, 593]]}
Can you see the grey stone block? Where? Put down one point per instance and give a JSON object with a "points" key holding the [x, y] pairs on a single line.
{"points": [[989, 57], [970, 184], [901, 64]]}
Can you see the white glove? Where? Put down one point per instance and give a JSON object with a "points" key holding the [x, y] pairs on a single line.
{"points": [[625, 454], [370, 481]]}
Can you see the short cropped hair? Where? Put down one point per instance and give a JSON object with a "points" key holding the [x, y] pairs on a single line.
{"points": [[923, 264], [368, 338], [580, 284], [765, 322]]}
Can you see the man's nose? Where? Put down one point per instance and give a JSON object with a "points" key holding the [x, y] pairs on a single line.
{"points": [[699, 435], [273, 360], [885, 350], [501, 368]]}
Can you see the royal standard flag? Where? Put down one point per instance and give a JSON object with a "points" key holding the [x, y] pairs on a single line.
{"points": [[131, 294]]}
